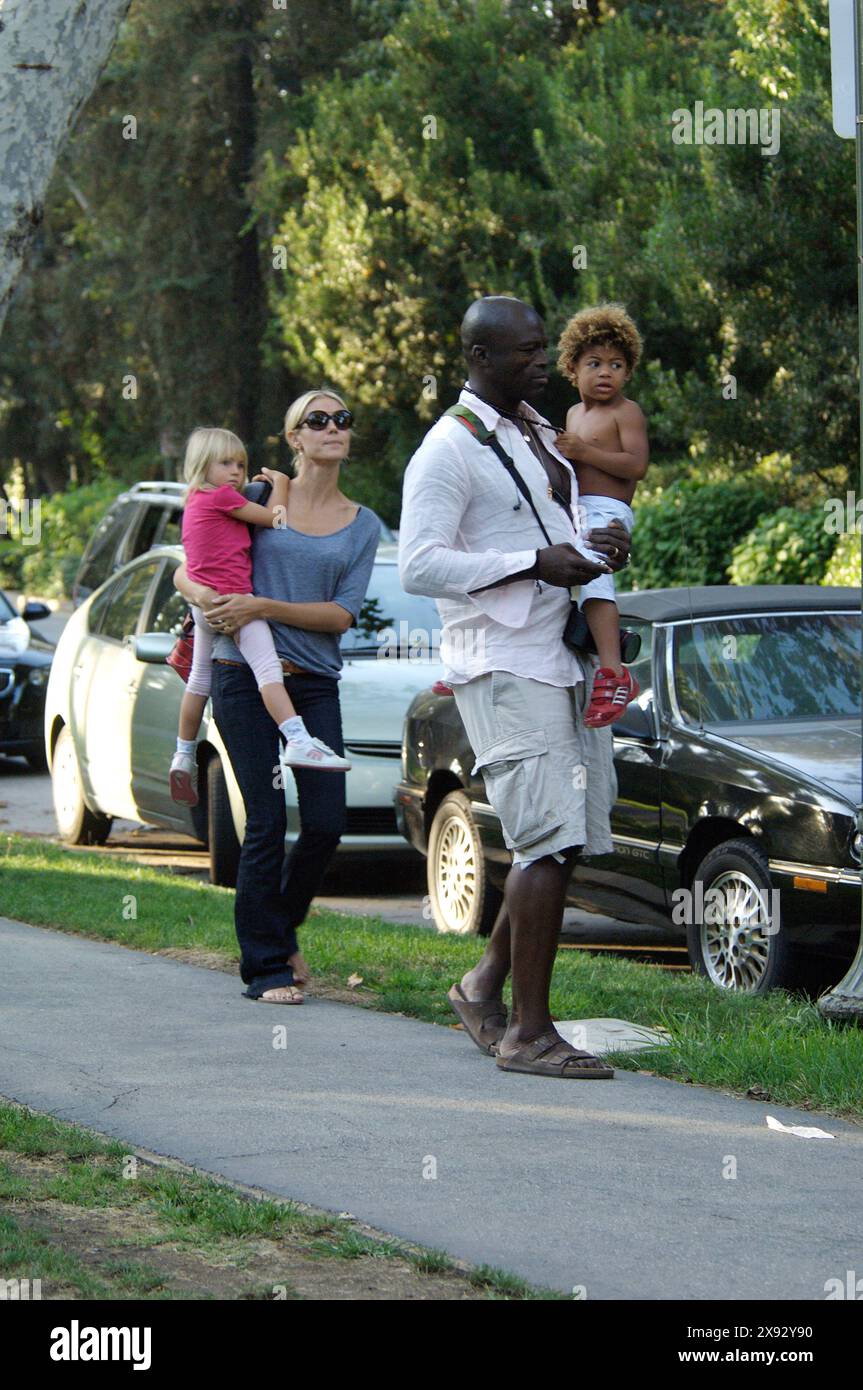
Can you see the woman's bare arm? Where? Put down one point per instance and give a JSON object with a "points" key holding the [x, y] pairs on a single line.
{"points": [[233, 610]]}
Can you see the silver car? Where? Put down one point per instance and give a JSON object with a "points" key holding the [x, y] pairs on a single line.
{"points": [[113, 703]]}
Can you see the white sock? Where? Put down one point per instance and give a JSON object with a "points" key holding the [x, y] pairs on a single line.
{"points": [[186, 745], [294, 730]]}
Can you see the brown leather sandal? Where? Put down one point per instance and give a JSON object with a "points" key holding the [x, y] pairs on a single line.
{"points": [[484, 1020], [549, 1055]]}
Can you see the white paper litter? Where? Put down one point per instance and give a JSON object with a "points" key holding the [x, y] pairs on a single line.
{"points": [[600, 1035], [802, 1131]]}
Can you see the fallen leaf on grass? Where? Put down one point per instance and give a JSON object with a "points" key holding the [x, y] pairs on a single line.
{"points": [[354, 980]]}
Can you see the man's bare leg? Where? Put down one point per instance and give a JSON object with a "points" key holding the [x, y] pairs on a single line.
{"points": [[485, 980], [524, 939], [535, 897]]}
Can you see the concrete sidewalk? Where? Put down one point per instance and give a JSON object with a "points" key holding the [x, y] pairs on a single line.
{"points": [[614, 1186]]}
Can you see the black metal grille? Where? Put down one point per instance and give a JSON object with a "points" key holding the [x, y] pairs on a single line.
{"points": [[371, 820], [374, 750]]}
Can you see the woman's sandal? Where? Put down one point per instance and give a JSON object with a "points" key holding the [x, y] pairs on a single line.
{"points": [[549, 1055], [483, 1020], [295, 996]]}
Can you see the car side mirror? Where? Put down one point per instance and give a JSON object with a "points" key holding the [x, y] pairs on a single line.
{"points": [[637, 722], [35, 612], [154, 647]]}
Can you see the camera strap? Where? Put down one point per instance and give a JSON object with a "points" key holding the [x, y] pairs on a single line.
{"points": [[488, 437]]}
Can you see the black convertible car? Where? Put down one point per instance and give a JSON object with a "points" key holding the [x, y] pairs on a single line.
{"points": [[739, 779], [25, 661]]}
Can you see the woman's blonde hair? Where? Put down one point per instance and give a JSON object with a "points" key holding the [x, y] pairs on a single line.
{"points": [[208, 445], [298, 408]]}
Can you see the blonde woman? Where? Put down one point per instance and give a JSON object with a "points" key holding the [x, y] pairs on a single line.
{"points": [[309, 574], [218, 545]]}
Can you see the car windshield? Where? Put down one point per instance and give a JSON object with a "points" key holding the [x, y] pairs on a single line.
{"points": [[390, 618], [6, 609], [769, 667]]}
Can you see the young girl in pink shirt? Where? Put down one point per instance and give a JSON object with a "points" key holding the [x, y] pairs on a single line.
{"points": [[218, 547]]}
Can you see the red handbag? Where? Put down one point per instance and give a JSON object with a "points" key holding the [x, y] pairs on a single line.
{"points": [[180, 656]]}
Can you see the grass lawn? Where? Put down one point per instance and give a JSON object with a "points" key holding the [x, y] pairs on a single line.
{"points": [[90, 1220], [777, 1045]]}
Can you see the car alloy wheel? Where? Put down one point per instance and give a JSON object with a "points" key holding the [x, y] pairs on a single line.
{"points": [[463, 900], [736, 950], [734, 942]]}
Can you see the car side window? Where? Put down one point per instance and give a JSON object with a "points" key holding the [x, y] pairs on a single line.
{"points": [[99, 557], [124, 601], [172, 531], [168, 608], [145, 533]]}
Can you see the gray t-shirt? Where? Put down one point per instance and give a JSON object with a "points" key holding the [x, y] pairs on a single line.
{"points": [[292, 567]]}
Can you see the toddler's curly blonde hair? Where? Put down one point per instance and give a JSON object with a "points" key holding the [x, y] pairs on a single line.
{"points": [[601, 325]]}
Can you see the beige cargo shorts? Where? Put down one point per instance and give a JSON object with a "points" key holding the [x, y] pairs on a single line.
{"points": [[550, 781]]}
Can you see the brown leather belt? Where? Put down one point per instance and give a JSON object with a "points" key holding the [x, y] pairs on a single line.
{"points": [[290, 668]]}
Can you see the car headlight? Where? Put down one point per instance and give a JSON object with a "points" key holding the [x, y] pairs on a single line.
{"points": [[857, 847]]}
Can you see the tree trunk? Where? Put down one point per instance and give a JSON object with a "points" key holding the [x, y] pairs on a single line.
{"points": [[51, 55], [245, 271]]}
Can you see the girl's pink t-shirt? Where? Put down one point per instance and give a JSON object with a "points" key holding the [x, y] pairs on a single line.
{"points": [[218, 547]]}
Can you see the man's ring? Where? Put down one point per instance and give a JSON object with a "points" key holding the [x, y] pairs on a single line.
{"points": [[614, 552]]}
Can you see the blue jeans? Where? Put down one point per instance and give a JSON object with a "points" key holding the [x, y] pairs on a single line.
{"points": [[274, 892]]}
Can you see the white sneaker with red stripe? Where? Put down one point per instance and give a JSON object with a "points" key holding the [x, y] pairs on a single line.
{"points": [[312, 752], [611, 694]]}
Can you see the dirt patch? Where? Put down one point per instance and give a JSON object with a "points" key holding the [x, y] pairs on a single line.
{"points": [[193, 955], [235, 1268], [213, 960]]}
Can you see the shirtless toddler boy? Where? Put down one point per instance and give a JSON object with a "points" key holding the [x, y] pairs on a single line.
{"points": [[606, 441]]}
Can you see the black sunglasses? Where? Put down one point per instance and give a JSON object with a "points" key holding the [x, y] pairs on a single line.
{"points": [[319, 419]]}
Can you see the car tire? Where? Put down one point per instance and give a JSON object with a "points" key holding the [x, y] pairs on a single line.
{"points": [[463, 899], [76, 823], [735, 951], [221, 834]]}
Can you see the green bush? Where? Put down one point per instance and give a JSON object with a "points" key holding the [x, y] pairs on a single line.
{"points": [[844, 567], [67, 522], [684, 533], [789, 547]]}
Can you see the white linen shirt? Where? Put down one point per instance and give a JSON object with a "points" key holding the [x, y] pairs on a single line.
{"points": [[462, 527]]}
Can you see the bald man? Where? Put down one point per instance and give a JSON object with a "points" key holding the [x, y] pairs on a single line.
{"points": [[469, 540]]}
